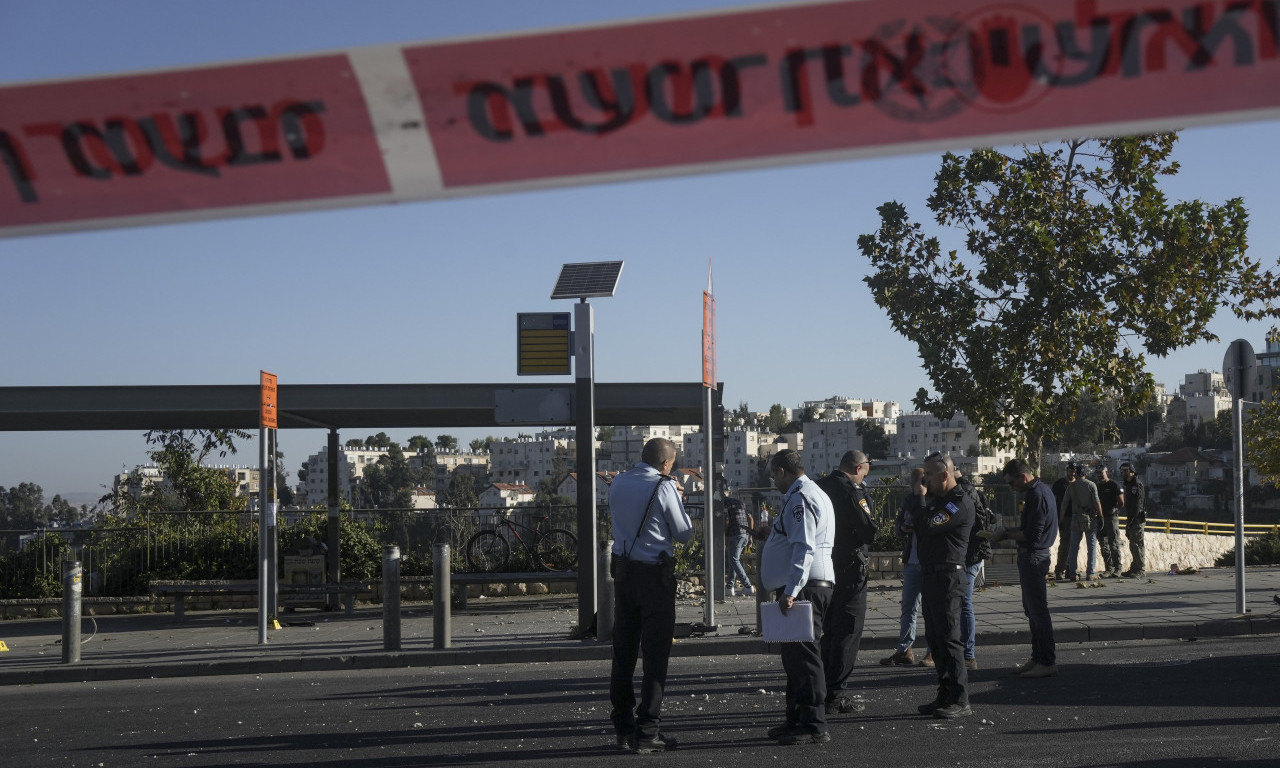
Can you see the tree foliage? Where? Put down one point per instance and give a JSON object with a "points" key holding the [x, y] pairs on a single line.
{"points": [[875, 443], [187, 483], [1073, 267], [1262, 438], [778, 419], [420, 444]]}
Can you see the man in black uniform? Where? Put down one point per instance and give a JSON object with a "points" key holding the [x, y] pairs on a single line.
{"points": [[847, 611], [1064, 523], [943, 525], [1135, 514], [1112, 498]]}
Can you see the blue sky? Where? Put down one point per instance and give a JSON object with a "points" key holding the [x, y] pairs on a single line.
{"points": [[428, 292]]}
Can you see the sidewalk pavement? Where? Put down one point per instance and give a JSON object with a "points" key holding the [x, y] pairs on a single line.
{"points": [[538, 629]]}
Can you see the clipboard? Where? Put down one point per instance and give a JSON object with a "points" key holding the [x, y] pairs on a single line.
{"points": [[795, 626]]}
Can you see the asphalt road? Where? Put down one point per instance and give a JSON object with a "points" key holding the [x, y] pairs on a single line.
{"points": [[1165, 704]]}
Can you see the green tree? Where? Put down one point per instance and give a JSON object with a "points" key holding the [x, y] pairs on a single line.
{"points": [[22, 507], [380, 440], [1075, 267], [420, 443], [739, 418], [390, 482], [479, 445], [187, 483], [778, 419], [461, 492], [604, 434], [875, 443], [446, 443], [1092, 424], [1262, 439], [1139, 428]]}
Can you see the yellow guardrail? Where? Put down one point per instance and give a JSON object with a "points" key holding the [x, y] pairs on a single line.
{"points": [[1195, 526]]}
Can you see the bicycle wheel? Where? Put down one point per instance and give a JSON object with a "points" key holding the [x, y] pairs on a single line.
{"points": [[488, 552], [557, 550]]}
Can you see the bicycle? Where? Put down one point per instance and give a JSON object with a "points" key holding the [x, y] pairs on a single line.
{"points": [[552, 550]]}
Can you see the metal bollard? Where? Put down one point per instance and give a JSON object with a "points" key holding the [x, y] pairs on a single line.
{"points": [[441, 609], [71, 590], [604, 593], [391, 598]]}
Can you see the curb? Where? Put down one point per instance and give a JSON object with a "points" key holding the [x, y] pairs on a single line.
{"points": [[714, 645]]}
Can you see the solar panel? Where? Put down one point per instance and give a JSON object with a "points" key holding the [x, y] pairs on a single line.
{"points": [[588, 280]]}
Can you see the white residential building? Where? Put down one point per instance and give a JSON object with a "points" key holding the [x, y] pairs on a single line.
{"points": [[352, 462], [840, 408], [628, 442], [826, 441], [531, 460], [507, 495], [920, 434], [1205, 394], [450, 463], [569, 486], [424, 498]]}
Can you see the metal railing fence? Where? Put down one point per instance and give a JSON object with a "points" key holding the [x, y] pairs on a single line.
{"points": [[122, 558]]}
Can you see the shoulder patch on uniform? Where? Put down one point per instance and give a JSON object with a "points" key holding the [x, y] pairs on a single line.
{"points": [[941, 518], [865, 506], [952, 508], [798, 514]]}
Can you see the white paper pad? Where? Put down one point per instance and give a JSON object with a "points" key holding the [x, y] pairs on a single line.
{"points": [[796, 625]]}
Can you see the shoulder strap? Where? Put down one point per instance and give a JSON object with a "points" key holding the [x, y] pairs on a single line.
{"points": [[656, 487]]}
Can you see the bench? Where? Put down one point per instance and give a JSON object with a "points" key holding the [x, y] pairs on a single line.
{"points": [[180, 590]]}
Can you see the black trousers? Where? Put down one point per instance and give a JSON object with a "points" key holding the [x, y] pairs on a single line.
{"points": [[806, 681], [943, 589], [845, 619], [644, 621]]}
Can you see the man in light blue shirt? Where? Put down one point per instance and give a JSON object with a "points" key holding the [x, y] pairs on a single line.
{"points": [[796, 565], [648, 518]]}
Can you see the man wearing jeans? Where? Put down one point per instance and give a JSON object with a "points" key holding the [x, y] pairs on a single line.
{"points": [[902, 655], [737, 530], [1085, 509], [1037, 530]]}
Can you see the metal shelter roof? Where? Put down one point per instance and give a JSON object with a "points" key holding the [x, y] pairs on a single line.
{"points": [[328, 406]]}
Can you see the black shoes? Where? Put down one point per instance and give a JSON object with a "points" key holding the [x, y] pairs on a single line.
{"points": [[843, 705], [953, 710]]}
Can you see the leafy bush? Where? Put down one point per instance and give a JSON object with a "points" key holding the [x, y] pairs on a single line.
{"points": [[1264, 550], [360, 556], [36, 572]]}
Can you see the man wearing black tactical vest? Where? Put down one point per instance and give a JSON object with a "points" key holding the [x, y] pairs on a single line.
{"points": [[846, 615], [943, 525]]}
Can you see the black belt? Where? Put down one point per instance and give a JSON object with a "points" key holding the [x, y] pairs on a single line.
{"points": [[944, 568], [820, 584]]}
